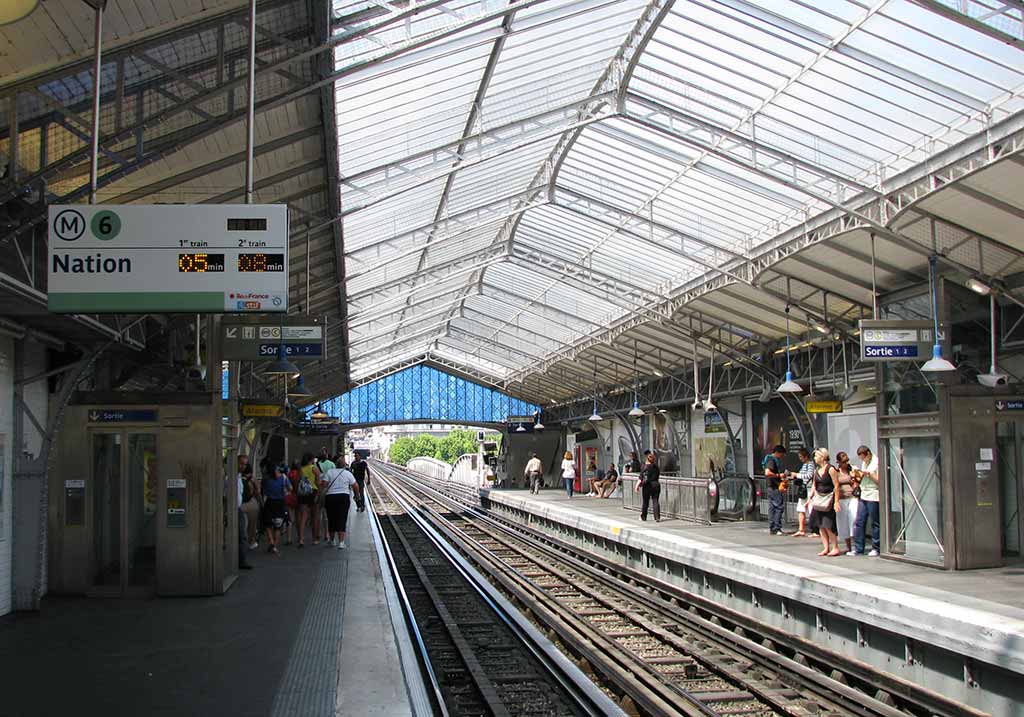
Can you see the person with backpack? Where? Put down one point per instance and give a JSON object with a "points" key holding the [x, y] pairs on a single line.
{"points": [[308, 490]]}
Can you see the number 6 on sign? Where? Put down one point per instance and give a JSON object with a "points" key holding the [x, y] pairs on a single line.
{"points": [[106, 225]]}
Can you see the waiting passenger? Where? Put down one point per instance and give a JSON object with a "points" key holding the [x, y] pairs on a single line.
{"points": [[337, 486], [633, 464], [596, 476], [611, 481], [804, 484], [868, 504], [274, 510], [251, 500], [534, 473], [848, 500], [291, 502], [243, 519], [650, 488], [775, 473], [826, 501], [568, 473]]}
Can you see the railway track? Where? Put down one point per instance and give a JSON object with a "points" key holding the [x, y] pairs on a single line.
{"points": [[477, 659], [642, 641]]}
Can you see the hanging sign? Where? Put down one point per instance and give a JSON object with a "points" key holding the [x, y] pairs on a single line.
{"points": [[130, 415], [713, 422], [168, 258], [824, 406], [245, 338], [1013, 404], [896, 340], [262, 410]]}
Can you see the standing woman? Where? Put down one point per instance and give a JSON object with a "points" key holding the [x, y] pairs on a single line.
{"points": [[568, 473], [826, 501], [291, 502], [274, 510], [849, 493], [310, 503], [251, 505], [804, 479], [338, 485], [650, 485]]}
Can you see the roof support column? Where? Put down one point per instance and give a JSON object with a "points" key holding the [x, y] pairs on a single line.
{"points": [[96, 73]]}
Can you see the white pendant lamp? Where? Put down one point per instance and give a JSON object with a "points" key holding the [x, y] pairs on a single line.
{"points": [[936, 363], [636, 411], [789, 385], [537, 425], [595, 416]]}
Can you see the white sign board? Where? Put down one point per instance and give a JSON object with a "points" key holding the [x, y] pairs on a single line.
{"points": [[168, 258]]}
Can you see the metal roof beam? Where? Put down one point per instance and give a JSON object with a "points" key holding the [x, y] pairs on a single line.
{"points": [[975, 24]]}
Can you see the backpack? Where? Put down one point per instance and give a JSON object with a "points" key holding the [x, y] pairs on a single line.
{"points": [[305, 488], [246, 490]]}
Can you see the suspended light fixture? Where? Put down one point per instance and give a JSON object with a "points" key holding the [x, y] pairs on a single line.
{"points": [[978, 286], [300, 390], [636, 411], [789, 385], [319, 413], [520, 428], [537, 425], [936, 363], [819, 326], [595, 416], [282, 366], [709, 405], [14, 10]]}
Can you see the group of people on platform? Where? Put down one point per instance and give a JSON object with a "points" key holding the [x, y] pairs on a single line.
{"points": [[835, 502], [316, 492], [602, 484]]}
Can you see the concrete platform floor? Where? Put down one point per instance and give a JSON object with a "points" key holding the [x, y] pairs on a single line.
{"points": [[258, 651], [996, 590]]}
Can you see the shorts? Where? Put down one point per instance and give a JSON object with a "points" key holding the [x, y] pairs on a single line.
{"points": [[274, 512], [802, 506], [307, 499]]}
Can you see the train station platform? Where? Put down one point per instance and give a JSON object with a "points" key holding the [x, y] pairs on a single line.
{"points": [[305, 634], [950, 631]]}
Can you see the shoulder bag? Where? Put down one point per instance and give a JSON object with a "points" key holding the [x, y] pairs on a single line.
{"points": [[823, 502]]}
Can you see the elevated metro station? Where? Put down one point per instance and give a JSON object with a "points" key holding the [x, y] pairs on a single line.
{"points": [[233, 232]]}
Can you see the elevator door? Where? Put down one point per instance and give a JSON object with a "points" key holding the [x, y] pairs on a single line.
{"points": [[1010, 463], [124, 495]]}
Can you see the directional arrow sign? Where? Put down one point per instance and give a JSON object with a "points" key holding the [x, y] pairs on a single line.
{"points": [[231, 332]]}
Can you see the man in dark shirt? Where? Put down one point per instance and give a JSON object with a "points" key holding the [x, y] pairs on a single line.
{"points": [[360, 470], [775, 473], [633, 464]]}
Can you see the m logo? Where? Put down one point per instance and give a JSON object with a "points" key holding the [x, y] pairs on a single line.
{"points": [[69, 225]]}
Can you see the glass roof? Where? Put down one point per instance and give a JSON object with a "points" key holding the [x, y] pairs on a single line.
{"points": [[517, 177]]}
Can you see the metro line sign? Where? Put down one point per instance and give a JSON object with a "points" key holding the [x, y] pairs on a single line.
{"points": [[889, 340], [168, 258]]}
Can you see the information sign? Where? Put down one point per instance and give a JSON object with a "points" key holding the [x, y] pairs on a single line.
{"points": [[168, 258], [256, 338], [824, 406], [262, 410], [896, 340], [131, 415], [1009, 404], [74, 501], [177, 503], [713, 422]]}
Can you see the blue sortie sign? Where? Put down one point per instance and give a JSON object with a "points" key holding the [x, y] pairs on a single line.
{"points": [[890, 351], [131, 415], [292, 349]]}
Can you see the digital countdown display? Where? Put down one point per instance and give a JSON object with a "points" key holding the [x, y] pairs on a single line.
{"points": [[259, 263], [188, 263], [168, 258]]}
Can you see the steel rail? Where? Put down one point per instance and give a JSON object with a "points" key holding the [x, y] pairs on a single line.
{"points": [[582, 697], [884, 694]]}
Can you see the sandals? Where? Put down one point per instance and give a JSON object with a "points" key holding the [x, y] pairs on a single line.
{"points": [[834, 554], [799, 534]]}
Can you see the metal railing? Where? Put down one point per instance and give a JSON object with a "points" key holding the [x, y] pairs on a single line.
{"points": [[683, 498], [428, 466]]}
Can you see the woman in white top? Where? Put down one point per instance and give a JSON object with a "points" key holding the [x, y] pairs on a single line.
{"points": [[568, 473], [337, 486]]}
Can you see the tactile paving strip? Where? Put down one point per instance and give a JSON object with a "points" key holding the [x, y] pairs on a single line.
{"points": [[310, 684]]}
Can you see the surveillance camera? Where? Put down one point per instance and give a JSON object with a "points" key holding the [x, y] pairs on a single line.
{"points": [[196, 373], [993, 379]]}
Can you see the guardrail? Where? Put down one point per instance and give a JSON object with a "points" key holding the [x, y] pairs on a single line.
{"points": [[683, 498], [428, 466]]}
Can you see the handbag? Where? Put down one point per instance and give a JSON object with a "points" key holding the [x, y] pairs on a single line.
{"points": [[822, 502]]}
